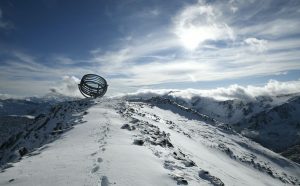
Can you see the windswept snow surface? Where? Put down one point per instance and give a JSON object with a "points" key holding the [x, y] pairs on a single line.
{"points": [[149, 143], [271, 120]]}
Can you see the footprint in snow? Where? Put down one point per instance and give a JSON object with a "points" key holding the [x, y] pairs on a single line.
{"points": [[95, 169], [171, 165], [94, 153], [179, 179], [99, 160], [104, 181], [139, 142]]}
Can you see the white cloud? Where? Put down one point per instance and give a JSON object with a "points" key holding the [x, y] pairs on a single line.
{"points": [[137, 49], [221, 34], [272, 88], [234, 9], [68, 86], [257, 45], [277, 28], [267, 19], [196, 24], [22, 75], [139, 62], [4, 24], [155, 12], [8, 96], [63, 60]]}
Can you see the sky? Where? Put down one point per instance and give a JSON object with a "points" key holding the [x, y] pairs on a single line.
{"points": [[48, 45]]}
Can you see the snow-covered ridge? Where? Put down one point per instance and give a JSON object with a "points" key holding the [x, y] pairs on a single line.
{"points": [[226, 111], [153, 116], [26, 134], [137, 142], [277, 128], [272, 121]]}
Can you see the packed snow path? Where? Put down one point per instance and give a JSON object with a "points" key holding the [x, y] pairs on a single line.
{"points": [[137, 143]]}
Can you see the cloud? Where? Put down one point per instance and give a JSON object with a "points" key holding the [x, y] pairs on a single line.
{"points": [[257, 45], [68, 87], [155, 12], [8, 96], [160, 59], [4, 24], [228, 40], [63, 60], [272, 88], [271, 19], [275, 29], [24, 75], [198, 23]]}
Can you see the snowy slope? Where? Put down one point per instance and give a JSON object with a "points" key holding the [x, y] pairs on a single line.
{"points": [[31, 105], [11, 126], [21, 107], [20, 135], [118, 142], [273, 121], [277, 128], [227, 111]]}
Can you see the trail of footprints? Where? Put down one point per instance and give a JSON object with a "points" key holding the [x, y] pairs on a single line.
{"points": [[182, 168], [103, 134]]}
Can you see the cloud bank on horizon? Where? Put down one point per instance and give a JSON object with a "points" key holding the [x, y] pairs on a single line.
{"points": [[68, 87], [272, 88], [149, 44]]}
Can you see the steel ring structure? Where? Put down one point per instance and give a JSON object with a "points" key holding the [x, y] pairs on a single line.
{"points": [[92, 85]]}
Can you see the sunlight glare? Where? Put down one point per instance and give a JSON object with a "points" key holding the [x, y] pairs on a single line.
{"points": [[193, 36]]}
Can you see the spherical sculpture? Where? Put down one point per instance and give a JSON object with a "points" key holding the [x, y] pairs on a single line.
{"points": [[92, 85]]}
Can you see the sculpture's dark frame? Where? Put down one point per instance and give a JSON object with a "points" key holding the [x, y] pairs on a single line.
{"points": [[92, 85]]}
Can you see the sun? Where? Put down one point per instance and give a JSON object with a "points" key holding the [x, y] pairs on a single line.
{"points": [[191, 37]]}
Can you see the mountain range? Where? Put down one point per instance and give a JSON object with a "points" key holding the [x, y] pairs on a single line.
{"points": [[156, 140]]}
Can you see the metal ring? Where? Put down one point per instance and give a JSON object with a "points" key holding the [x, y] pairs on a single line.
{"points": [[92, 85]]}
